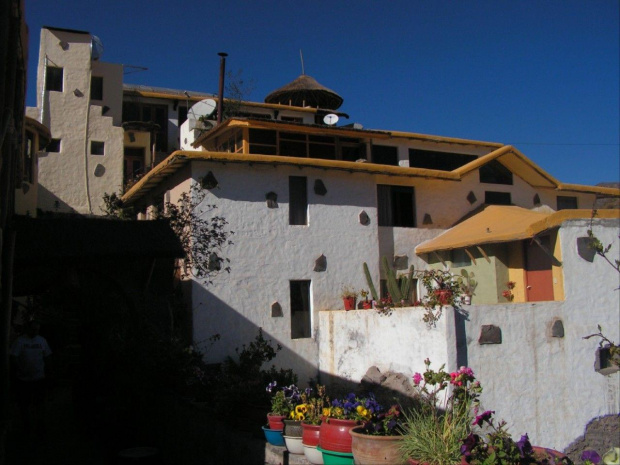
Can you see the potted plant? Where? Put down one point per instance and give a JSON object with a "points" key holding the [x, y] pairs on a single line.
{"points": [[349, 297], [282, 403], [468, 285], [434, 431], [342, 415], [497, 447], [442, 289], [378, 440], [317, 403], [366, 304]]}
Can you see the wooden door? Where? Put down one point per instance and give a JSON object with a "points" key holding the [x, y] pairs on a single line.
{"points": [[538, 275]]}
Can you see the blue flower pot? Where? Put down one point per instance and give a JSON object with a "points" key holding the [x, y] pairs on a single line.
{"points": [[274, 436]]}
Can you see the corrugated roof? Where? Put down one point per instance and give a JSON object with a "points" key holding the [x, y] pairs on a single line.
{"points": [[498, 223]]}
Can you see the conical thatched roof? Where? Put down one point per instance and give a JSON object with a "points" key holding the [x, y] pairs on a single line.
{"points": [[305, 92]]}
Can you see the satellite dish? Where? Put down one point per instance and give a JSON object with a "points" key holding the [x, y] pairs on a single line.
{"points": [[203, 108], [330, 119], [96, 48]]}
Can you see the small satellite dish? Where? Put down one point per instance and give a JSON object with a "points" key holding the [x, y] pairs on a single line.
{"points": [[96, 48], [330, 119], [203, 108]]}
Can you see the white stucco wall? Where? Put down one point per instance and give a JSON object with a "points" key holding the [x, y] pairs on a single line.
{"points": [[541, 385], [69, 180]]}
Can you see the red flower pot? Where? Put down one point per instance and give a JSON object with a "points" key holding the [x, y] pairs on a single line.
{"points": [[366, 305], [310, 434], [275, 421], [334, 435], [349, 303]]}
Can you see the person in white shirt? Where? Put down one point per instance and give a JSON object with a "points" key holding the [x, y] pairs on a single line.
{"points": [[30, 356]]}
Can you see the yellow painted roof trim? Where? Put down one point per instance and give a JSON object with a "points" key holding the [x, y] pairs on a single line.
{"points": [[179, 158], [611, 191], [283, 125], [496, 224], [441, 139]]}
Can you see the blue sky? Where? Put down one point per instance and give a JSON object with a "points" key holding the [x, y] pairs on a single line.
{"points": [[543, 76]]}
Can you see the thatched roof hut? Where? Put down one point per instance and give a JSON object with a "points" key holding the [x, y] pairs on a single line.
{"points": [[305, 92]]}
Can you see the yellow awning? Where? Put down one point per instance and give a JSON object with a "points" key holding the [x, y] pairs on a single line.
{"points": [[497, 223]]}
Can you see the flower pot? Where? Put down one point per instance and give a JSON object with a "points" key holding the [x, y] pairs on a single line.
{"points": [[313, 455], [349, 303], [331, 457], [366, 305], [292, 428], [310, 434], [275, 421], [294, 445], [443, 296], [334, 435], [273, 436], [368, 449]]}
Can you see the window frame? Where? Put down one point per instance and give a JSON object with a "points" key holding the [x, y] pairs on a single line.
{"points": [[94, 147], [96, 84], [298, 200], [388, 212], [300, 293], [54, 78]]}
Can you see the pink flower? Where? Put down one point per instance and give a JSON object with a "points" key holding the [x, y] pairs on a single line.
{"points": [[417, 379]]}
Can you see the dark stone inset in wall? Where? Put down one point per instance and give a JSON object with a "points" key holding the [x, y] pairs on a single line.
{"points": [[99, 170], [471, 197], [276, 310], [364, 218], [272, 199], [319, 187], [401, 262], [490, 334], [209, 181], [427, 219], [557, 329], [536, 200], [320, 264], [584, 250], [215, 262]]}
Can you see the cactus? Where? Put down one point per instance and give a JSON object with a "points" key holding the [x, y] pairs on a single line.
{"points": [[405, 283], [373, 291]]}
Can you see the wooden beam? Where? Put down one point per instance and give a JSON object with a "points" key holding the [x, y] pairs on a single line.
{"points": [[471, 256], [484, 254]]}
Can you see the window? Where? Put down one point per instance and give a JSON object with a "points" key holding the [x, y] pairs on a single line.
{"points": [[263, 141], [384, 155], [566, 203], [300, 309], [298, 203], [134, 163], [53, 79], [497, 198], [29, 157], [182, 115], [96, 147], [53, 146], [96, 88], [495, 173], [444, 161], [396, 205]]}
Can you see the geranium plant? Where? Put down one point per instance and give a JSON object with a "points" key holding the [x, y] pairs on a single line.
{"points": [[442, 289], [434, 431]]}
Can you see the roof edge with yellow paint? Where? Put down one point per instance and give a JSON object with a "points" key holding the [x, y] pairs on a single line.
{"points": [[181, 157]]}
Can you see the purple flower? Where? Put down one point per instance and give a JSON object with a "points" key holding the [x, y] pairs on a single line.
{"points": [[417, 379], [271, 385], [484, 416], [525, 448], [469, 443], [591, 455]]}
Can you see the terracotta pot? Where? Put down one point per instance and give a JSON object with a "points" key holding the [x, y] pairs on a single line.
{"points": [[366, 305], [375, 450], [334, 435], [292, 428], [443, 295], [275, 421], [349, 303], [310, 434]]}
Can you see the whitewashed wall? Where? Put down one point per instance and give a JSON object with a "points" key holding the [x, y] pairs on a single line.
{"points": [[541, 385]]}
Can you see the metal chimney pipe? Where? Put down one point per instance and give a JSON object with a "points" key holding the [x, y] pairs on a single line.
{"points": [[220, 99]]}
